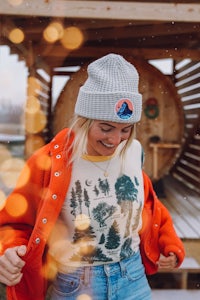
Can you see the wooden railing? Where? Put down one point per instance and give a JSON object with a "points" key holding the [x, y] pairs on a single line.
{"points": [[187, 167]]}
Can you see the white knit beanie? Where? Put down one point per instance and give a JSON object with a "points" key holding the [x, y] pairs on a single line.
{"points": [[110, 92]]}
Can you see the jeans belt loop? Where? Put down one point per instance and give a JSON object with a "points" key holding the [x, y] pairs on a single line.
{"points": [[123, 268], [86, 275]]}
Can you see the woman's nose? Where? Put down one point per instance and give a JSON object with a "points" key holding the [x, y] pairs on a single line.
{"points": [[115, 138]]}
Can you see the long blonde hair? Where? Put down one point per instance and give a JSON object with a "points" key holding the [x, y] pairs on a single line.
{"points": [[80, 127]]}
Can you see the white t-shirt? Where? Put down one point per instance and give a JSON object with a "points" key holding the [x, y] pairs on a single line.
{"points": [[102, 209]]}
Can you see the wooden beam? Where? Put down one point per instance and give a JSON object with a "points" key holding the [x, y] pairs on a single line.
{"points": [[138, 30], [128, 31], [150, 53], [117, 10]]}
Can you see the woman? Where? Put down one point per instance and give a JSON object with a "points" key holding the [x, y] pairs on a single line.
{"points": [[84, 214]]}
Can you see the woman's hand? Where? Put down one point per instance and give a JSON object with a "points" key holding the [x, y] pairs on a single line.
{"points": [[11, 264], [168, 262]]}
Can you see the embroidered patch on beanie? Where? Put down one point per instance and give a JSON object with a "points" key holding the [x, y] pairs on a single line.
{"points": [[110, 92], [124, 109]]}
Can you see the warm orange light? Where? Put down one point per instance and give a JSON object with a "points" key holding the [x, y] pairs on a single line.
{"points": [[58, 251], [36, 122], [33, 142], [72, 38], [43, 162], [16, 36], [2, 199], [4, 153], [24, 177], [33, 86], [84, 297], [32, 105], [53, 32], [16, 205], [85, 248], [10, 170], [52, 268], [82, 222], [4, 240]]}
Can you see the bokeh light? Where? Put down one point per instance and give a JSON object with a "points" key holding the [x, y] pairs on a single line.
{"points": [[86, 249], [53, 32], [84, 297], [32, 105], [35, 122], [51, 266], [72, 38], [2, 199], [43, 162], [10, 170], [15, 2], [33, 86], [32, 143], [82, 222], [4, 153], [4, 241], [16, 36], [24, 177], [58, 251], [16, 205]]}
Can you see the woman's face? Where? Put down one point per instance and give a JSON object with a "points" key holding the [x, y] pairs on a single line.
{"points": [[104, 137]]}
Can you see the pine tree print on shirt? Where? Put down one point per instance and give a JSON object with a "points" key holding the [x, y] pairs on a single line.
{"points": [[102, 212], [79, 194], [87, 200], [104, 186], [102, 239], [126, 193], [90, 246], [73, 202], [126, 250], [113, 238], [96, 191]]}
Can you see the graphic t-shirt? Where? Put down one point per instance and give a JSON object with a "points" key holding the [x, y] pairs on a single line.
{"points": [[102, 209]]}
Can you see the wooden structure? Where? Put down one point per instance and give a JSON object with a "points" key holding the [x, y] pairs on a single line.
{"points": [[189, 266], [184, 206], [141, 30]]}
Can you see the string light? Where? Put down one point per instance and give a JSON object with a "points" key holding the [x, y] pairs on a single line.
{"points": [[16, 36], [72, 38]]}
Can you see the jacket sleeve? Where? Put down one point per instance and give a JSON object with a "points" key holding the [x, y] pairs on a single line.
{"points": [[168, 239], [158, 235], [18, 215]]}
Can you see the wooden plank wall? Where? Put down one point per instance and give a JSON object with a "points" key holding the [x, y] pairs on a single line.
{"points": [[184, 206], [187, 81]]}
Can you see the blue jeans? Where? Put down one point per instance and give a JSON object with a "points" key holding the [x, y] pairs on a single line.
{"points": [[125, 280]]}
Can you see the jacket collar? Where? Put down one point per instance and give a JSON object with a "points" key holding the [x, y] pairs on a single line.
{"points": [[61, 141]]}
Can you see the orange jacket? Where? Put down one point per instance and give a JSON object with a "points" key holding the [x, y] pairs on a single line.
{"points": [[31, 210]]}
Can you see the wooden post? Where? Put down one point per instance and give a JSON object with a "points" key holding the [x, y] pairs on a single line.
{"points": [[155, 147]]}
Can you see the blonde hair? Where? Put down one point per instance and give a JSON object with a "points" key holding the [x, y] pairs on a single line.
{"points": [[80, 127]]}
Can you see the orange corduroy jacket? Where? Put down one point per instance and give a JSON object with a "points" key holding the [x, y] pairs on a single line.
{"points": [[31, 211]]}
